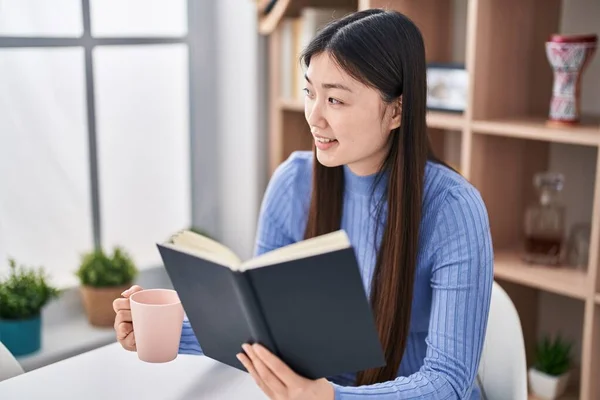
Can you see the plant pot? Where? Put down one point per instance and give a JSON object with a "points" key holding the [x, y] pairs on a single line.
{"points": [[547, 386], [22, 336], [98, 303]]}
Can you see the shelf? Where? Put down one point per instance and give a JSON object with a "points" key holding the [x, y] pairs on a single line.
{"points": [[560, 280], [443, 120], [292, 8], [570, 394], [291, 105], [435, 119], [261, 5], [268, 23], [587, 133]]}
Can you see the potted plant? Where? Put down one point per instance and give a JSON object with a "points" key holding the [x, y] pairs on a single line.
{"points": [[23, 295], [549, 376], [103, 278]]}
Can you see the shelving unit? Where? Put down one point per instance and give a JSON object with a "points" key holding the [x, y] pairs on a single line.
{"points": [[564, 281], [535, 128], [441, 120], [499, 143], [291, 105], [569, 395]]}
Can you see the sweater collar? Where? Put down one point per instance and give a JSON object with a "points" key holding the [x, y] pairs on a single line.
{"points": [[364, 184]]}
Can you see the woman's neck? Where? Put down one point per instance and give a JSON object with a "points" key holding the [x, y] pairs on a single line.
{"points": [[364, 184]]}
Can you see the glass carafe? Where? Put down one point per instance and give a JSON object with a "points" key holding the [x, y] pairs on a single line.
{"points": [[544, 223]]}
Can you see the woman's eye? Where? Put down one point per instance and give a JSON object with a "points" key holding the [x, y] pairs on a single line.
{"points": [[306, 91], [334, 101]]}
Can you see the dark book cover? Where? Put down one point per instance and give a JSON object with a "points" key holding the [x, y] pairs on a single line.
{"points": [[311, 312]]}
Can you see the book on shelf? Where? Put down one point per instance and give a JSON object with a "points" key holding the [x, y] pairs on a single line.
{"points": [[305, 302]]}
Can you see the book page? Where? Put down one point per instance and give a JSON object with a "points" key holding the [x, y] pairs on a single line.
{"points": [[206, 248], [318, 245]]}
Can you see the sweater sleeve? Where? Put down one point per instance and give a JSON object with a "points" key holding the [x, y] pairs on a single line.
{"points": [[461, 283], [273, 227], [188, 344]]}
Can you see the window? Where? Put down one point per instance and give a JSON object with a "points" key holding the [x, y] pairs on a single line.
{"points": [[95, 129], [40, 18]]}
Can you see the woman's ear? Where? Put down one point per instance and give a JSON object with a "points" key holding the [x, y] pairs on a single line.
{"points": [[396, 110]]}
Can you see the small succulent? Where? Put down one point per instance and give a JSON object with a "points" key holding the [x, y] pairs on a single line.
{"points": [[553, 357]]}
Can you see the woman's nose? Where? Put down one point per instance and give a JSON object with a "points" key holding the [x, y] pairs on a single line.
{"points": [[314, 113]]}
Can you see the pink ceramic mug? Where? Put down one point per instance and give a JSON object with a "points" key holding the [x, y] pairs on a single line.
{"points": [[157, 316]]}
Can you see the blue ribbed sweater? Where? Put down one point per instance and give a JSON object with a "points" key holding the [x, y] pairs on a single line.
{"points": [[453, 280]]}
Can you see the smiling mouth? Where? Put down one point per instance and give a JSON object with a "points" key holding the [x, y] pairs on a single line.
{"points": [[325, 144], [324, 140]]}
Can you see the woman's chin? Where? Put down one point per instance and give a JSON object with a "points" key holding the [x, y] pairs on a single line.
{"points": [[327, 160]]}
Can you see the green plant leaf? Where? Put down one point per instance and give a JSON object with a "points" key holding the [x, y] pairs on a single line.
{"points": [[553, 356], [25, 292], [98, 269]]}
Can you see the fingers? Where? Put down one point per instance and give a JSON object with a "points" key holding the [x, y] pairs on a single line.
{"points": [[131, 290], [125, 335], [278, 367], [123, 325], [268, 376], [252, 371], [123, 316], [123, 330], [121, 304], [129, 342]]}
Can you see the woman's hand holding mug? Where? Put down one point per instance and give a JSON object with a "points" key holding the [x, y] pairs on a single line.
{"points": [[157, 315], [123, 320]]}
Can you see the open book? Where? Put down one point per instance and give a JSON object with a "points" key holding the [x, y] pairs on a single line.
{"points": [[305, 302]]}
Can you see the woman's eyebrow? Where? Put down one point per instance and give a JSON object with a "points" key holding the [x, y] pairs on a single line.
{"points": [[330, 85]]}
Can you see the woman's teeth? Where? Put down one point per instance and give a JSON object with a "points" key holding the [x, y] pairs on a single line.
{"points": [[323, 140]]}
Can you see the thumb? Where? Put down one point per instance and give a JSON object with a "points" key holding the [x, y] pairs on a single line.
{"points": [[131, 290]]}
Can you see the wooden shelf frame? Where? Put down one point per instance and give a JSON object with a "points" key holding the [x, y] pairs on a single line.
{"points": [[538, 128], [570, 394], [435, 119], [504, 140], [446, 120], [291, 105], [564, 281], [267, 23]]}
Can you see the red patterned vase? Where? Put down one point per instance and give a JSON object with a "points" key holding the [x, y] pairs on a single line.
{"points": [[568, 55]]}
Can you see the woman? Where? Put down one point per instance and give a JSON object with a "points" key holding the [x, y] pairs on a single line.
{"points": [[419, 229]]}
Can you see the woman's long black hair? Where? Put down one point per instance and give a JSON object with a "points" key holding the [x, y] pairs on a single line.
{"points": [[384, 50]]}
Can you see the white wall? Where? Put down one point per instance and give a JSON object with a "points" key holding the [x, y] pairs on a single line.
{"points": [[240, 163]]}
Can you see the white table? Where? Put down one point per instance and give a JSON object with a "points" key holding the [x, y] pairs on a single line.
{"points": [[111, 373]]}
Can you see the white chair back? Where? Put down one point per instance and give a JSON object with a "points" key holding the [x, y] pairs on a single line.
{"points": [[502, 370], [9, 366]]}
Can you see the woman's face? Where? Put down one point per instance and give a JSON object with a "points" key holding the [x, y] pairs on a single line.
{"points": [[349, 121]]}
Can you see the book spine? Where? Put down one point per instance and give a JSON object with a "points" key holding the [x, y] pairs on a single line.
{"points": [[254, 316]]}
